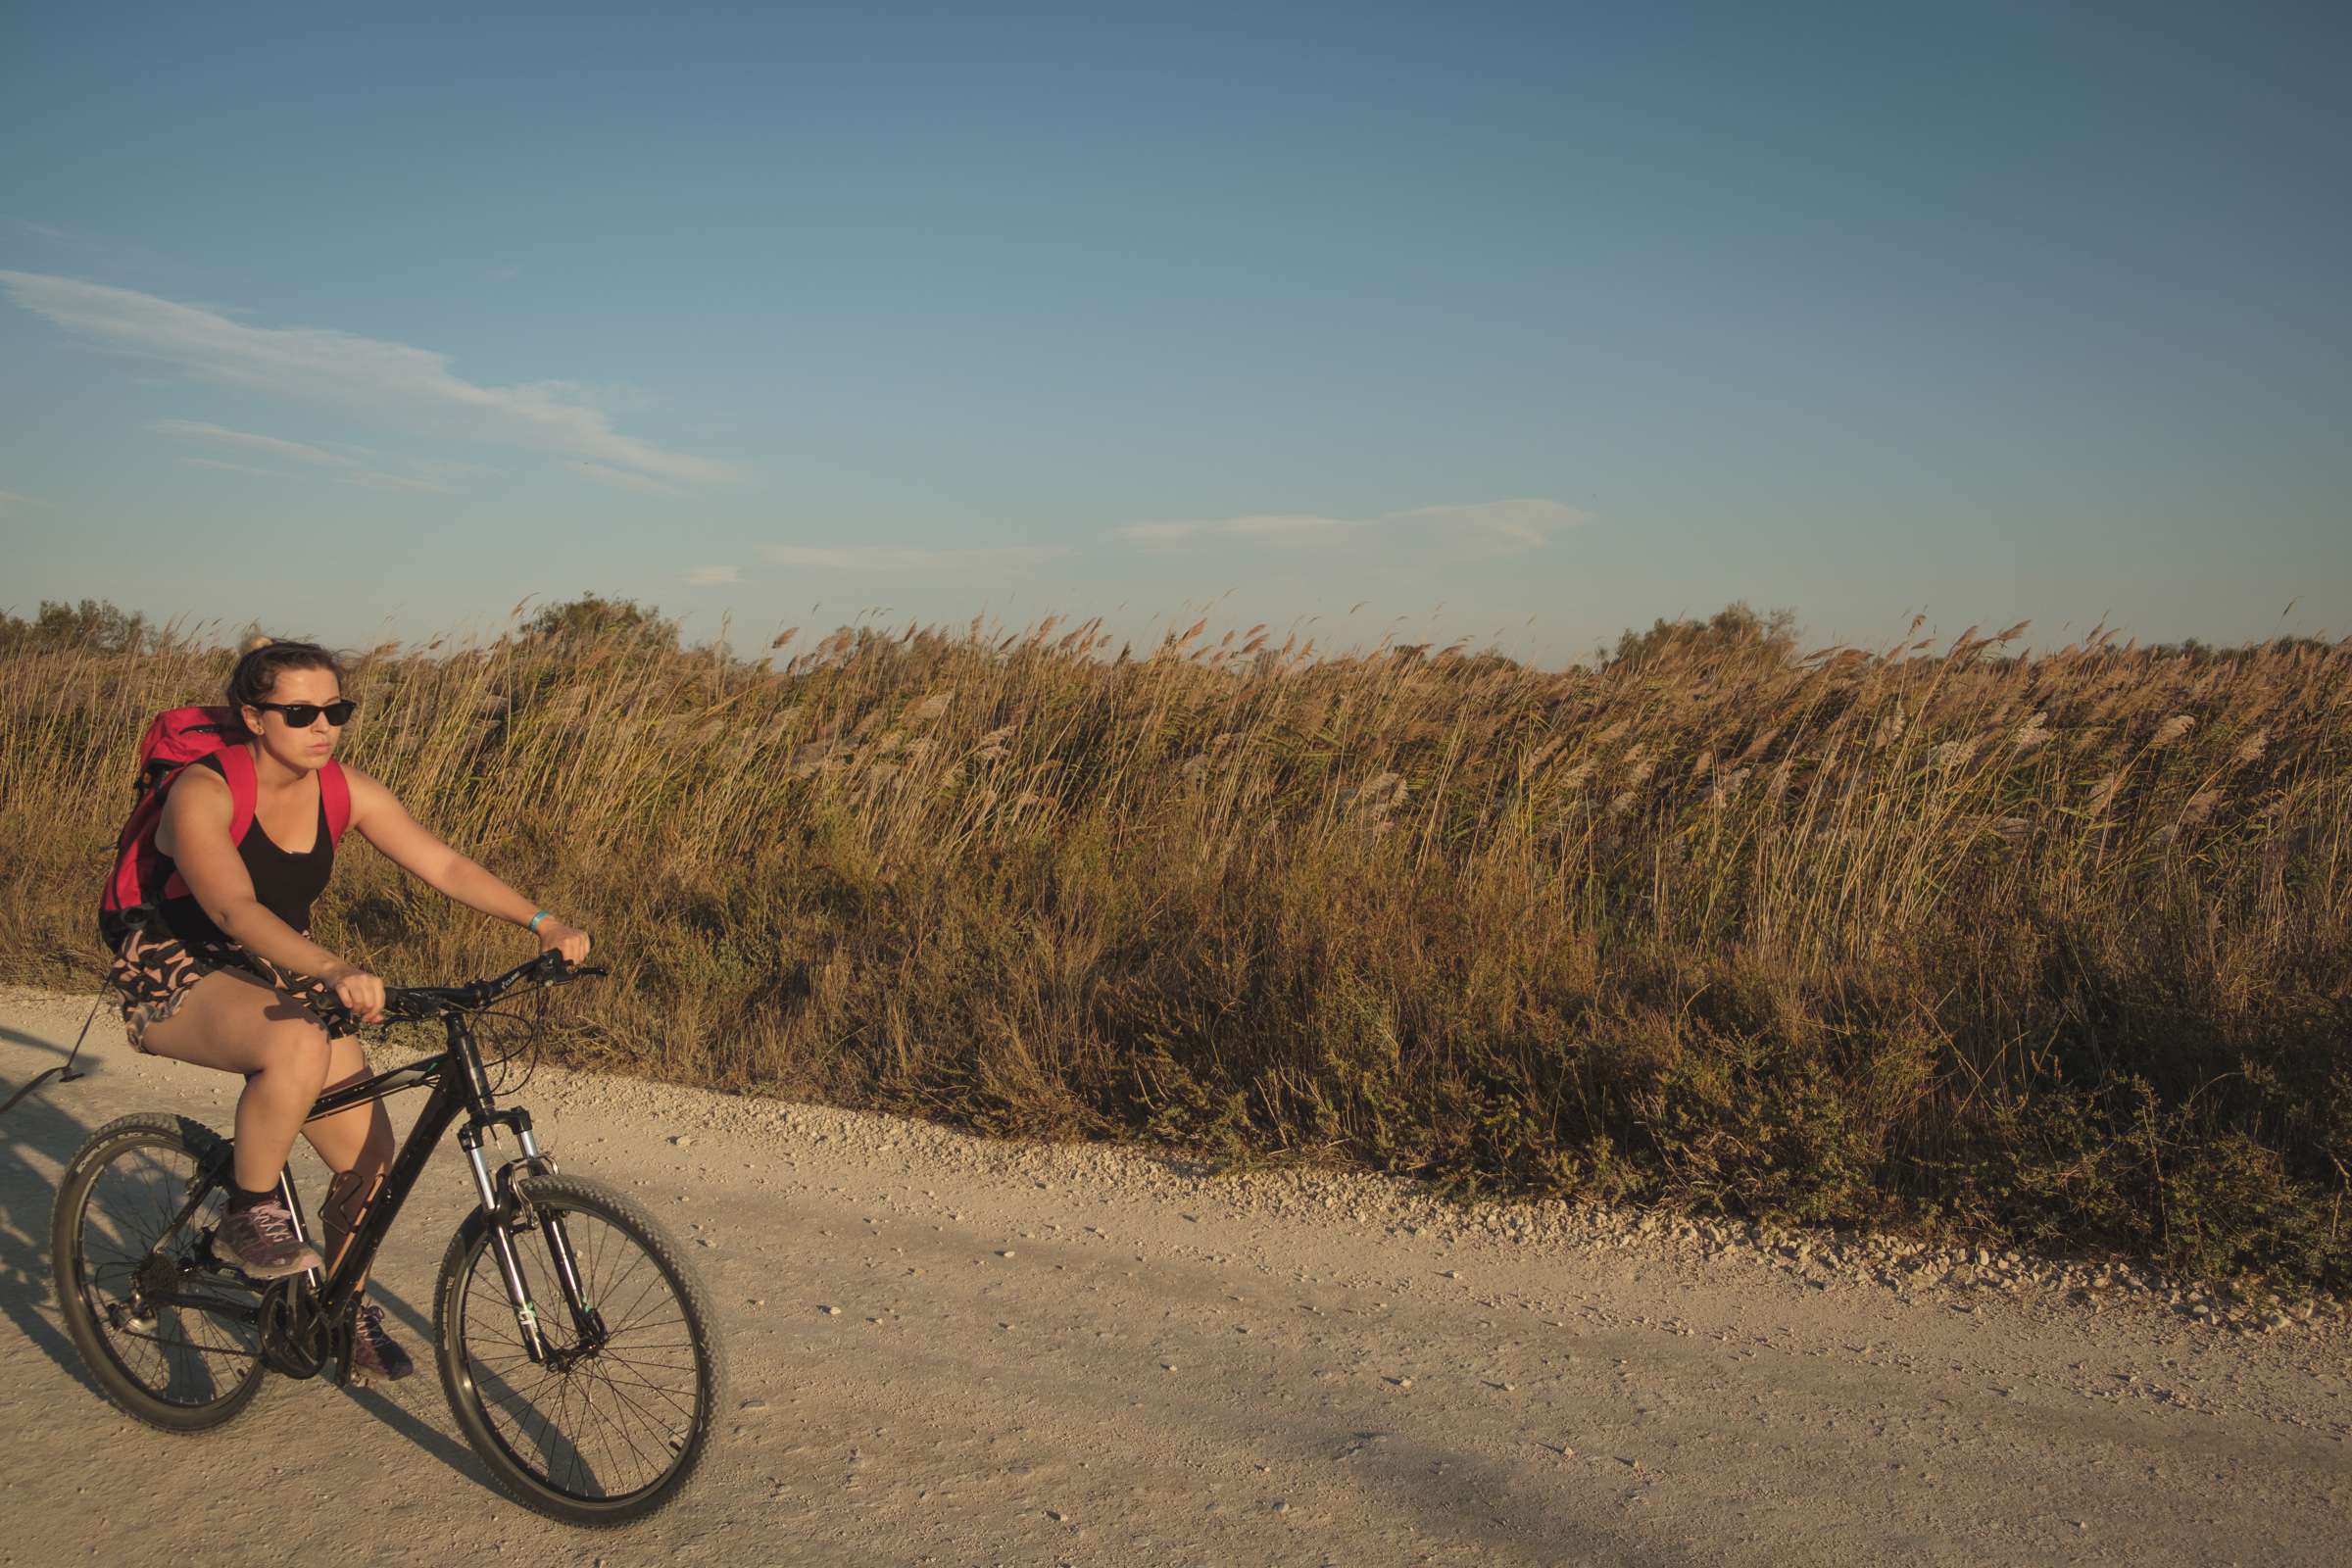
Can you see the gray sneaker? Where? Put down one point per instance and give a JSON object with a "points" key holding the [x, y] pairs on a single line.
{"points": [[261, 1241], [375, 1357]]}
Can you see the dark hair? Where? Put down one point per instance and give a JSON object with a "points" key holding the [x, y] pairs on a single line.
{"points": [[256, 673]]}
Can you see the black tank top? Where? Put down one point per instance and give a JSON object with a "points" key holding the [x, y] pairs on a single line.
{"points": [[287, 885]]}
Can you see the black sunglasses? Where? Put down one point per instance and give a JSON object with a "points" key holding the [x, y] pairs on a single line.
{"points": [[302, 715]]}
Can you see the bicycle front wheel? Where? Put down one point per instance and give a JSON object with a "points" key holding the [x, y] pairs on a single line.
{"points": [[612, 1423], [136, 1302]]}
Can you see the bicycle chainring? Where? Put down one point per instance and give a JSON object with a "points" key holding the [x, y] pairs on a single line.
{"points": [[296, 1337]]}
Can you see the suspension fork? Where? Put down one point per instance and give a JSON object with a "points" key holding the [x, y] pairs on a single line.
{"points": [[586, 1319], [496, 1214], [502, 1204], [482, 1113]]}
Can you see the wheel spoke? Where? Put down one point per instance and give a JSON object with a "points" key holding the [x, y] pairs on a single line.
{"points": [[643, 1463], [651, 1419], [684, 1407], [614, 1293]]}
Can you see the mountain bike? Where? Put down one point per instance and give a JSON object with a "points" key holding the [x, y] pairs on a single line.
{"points": [[578, 1348]]}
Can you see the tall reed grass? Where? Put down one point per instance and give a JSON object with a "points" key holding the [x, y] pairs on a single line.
{"points": [[2053, 949]]}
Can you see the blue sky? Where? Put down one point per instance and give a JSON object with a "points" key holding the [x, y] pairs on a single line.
{"points": [[1518, 323]]}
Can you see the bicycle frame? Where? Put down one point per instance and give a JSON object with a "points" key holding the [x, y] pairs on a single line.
{"points": [[461, 1089]]}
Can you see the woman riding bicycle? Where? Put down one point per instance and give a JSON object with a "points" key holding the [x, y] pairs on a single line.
{"points": [[229, 978]]}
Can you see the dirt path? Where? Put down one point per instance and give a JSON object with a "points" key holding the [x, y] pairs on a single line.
{"points": [[1084, 1355]]}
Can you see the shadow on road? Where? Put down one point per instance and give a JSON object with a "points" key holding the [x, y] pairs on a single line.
{"points": [[34, 1124], [42, 1129]]}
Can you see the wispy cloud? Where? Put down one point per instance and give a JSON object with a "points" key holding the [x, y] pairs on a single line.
{"points": [[371, 479], [907, 557], [1510, 524], [233, 468], [11, 503], [298, 451], [622, 479], [712, 576], [349, 470], [317, 363], [445, 468], [1482, 528], [1272, 528]]}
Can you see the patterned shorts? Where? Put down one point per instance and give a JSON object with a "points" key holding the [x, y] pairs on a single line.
{"points": [[154, 969]]}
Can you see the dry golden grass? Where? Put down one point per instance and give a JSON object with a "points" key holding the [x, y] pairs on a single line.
{"points": [[2048, 947]]}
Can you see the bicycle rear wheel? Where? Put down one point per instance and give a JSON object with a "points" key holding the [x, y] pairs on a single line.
{"points": [[609, 1429], [175, 1366]]}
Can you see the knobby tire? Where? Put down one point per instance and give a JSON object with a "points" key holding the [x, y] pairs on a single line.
{"points": [[619, 1437]]}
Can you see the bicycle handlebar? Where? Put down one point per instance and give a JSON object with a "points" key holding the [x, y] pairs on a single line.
{"points": [[402, 1004]]}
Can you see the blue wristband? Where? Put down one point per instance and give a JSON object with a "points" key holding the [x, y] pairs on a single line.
{"points": [[536, 919]]}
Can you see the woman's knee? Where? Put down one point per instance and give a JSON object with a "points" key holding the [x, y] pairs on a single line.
{"points": [[296, 1047]]}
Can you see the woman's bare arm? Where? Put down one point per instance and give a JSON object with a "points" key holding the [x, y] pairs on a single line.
{"points": [[380, 817]]}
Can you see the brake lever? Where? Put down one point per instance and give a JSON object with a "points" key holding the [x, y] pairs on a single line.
{"points": [[559, 971]]}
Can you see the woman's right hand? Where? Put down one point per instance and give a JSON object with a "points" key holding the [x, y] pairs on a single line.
{"points": [[359, 991]]}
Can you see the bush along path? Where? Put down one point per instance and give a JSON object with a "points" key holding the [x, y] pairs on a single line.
{"points": [[2001, 951]]}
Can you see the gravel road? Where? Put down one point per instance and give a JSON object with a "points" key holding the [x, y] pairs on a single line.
{"points": [[946, 1350]]}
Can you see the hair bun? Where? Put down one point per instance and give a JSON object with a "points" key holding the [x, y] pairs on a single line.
{"points": [[258, 644]]}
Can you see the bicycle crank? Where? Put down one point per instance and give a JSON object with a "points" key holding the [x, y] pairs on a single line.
{"points": [[295, 1337]]}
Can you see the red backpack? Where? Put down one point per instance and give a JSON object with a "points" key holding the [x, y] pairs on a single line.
{"points": [[143, 877]]}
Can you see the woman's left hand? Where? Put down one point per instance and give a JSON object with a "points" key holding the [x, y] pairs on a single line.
{"points": [[570, 939]]}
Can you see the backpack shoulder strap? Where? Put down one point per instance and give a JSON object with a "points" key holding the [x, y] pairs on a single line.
{"points": [[334, 792], [236, 766]]}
